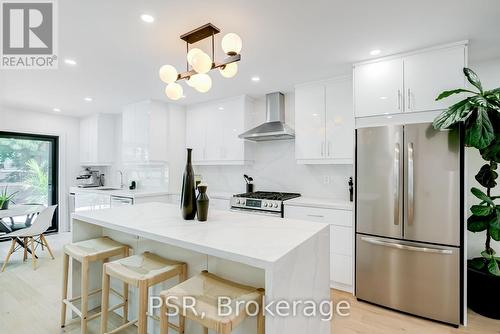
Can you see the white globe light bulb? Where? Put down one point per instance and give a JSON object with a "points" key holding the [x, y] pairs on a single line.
{"points": [[191, 82], [231, 44], [203, 83], [191, 54], [229, 70], [174, 91], [168, 74], [201, 62]]}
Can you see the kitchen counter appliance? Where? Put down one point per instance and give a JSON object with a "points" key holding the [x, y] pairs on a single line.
{"points": [[90, 179], [409, 214], [261, 202]]}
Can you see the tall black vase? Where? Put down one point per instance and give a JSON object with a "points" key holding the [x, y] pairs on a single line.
{"points": [[188, 195]]}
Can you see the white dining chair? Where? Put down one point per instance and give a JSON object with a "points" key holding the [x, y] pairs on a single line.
{"points": [[32, 234]]}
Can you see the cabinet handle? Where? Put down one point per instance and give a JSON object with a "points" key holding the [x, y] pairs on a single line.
{"points": [[329, 144], [399, 99], [409, 99], [316, 216], [322, 148]]}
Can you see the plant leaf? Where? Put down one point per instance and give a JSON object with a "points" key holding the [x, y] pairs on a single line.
{"points": [[479, 101], [477, 263], [480, 210], [487, 176], [473, 78], [493, 267], [458, 112], [494, 228], [477, 223], [492, 151], [447, 93], [487, 255], [479, 132], [482, 196]]}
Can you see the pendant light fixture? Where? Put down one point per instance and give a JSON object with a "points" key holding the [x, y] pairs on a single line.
{"points": [[199, 63]]}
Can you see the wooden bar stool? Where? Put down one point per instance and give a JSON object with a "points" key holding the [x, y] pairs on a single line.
{"points": [[141, 271], [93, 250], [206, 288]]}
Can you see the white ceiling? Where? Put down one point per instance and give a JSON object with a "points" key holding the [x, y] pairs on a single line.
{"points": [[284, 43]]}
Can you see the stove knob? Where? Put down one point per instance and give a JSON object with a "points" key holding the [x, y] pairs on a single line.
{"points": [[265, 204], [275, 205], [237, 201]]}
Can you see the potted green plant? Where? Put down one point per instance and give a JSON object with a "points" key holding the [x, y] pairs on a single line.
{"points": [[479, 115], [6, 199]]}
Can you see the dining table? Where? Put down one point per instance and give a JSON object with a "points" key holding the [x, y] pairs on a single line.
{"points": [[18, 210]]}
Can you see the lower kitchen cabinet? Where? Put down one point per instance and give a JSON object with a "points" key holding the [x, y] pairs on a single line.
{"points": [[341, 240]]}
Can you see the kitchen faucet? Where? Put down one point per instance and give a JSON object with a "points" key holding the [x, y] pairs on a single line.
{"points": [[121, 179]]}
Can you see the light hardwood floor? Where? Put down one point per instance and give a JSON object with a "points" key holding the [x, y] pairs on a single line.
{"points": [[30, 303]]}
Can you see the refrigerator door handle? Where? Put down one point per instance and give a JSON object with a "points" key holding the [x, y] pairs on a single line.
{"points": [[396, 183], [411, 188], [378, 242]]}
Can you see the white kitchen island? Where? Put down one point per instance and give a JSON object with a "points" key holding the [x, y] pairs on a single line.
{"points": [[289, 258]]}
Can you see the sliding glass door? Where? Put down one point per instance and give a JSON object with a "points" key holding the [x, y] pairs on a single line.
{"points": [[28, 168]]}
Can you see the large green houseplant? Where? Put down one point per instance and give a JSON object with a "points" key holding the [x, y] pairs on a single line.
{"points": [[479, 115]]}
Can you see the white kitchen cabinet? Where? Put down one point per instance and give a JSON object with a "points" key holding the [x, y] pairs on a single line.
{"points": [[378, 88], [409, 82], [310, 116], [324, 122], [212, 131], [341, 240], [97, 140], [91, 201], [428, 74], [145, 132]]}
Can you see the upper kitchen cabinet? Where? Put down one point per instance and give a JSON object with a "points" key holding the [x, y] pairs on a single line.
{"points": [[324, 122], [378, 88], [145, 132], [409, 82], [212, 131], [430, 73], [97, 139]]}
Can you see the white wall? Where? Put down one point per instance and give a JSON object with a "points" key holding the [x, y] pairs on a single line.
{"points": [[489, 73], [275, 168], [68, 131]]}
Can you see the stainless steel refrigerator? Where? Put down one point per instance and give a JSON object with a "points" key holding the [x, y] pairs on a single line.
{"points": [[408, 220]]}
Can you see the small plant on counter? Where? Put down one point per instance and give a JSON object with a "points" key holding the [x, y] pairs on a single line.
{"points": [[5, 198], [479, 115]]}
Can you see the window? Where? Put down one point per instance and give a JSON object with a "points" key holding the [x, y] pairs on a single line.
{"points": [[28, 167]]}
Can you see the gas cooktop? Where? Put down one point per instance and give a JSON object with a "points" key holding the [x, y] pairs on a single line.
{"points": [[263, 201]]}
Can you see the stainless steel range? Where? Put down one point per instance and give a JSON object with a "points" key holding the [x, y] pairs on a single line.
{"points": [[262, 202]]}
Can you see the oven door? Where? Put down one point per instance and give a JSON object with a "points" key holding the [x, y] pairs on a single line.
{"points": [[257, 212]]}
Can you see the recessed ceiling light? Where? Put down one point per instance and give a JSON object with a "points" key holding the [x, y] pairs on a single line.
{"points": [[221, 108], [88, 99], [56, 110], [375, 52], [383, 97], [255, 79], [147, 18], [71, 62]]}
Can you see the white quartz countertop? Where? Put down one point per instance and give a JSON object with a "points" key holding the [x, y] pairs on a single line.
{"points": [[255, 240], [122, 192], [320, 203]]}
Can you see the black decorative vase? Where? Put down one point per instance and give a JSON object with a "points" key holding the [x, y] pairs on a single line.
{"points": [[188, 195], [202, 203], [483, 293]]}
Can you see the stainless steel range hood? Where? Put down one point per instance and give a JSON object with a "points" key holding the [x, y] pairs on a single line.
{"points": [[275, 127]]}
